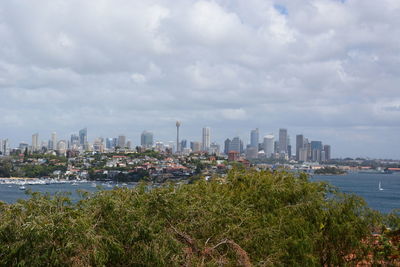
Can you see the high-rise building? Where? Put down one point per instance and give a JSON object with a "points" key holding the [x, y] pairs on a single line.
{"points": [[121, 141], [236, 145], [4, 147], [128, 144], [109, 143], [316, 149], [195, 146], [227, 145], [327, 150], [269, 145], [283, 141], [35, 142], [206, 139], [254, 138], [74, 141], [178, 148], [53, 141], [214, 149], [83, 137], [299, 145], [183, 144], [146, 139]]}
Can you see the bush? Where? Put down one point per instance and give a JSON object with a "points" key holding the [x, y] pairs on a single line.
{"points": [[250, 217]]}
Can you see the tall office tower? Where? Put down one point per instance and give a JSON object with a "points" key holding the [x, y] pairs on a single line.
{"points": [[183, 144], [115, 142], [129, 144], [254, 138], [74, 140], [53, 141], [35, 142], [227, 145], [206, 139], [121, 141], [109, 143], [236, 145], [23, 146], [269, 145], [327, 149], [299, 144], [4, 147], [289, 151], [214, 149], [146, 139], [276, 147], [316, 149], [195, 146], [178, 148], [83, 136], [283, 141], [303, 154]]}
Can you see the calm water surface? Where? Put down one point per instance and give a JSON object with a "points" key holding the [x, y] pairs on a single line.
{"points": [[367, 186]]}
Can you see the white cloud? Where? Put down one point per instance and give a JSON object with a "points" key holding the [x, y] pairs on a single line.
{"points": [[124, 66]]}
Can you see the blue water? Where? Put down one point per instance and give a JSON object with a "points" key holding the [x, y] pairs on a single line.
{"points": [[11, 193], [364, 185], [367, 186]]}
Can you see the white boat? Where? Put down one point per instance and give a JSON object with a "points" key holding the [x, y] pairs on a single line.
{"points": [[94, 185], [74, 184], [22, 187], [380, 186]]}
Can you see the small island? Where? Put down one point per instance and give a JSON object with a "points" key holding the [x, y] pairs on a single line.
{"points": [[330, 171]]}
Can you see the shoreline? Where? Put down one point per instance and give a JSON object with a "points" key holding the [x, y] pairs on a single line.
{"points": [[18, 178]]}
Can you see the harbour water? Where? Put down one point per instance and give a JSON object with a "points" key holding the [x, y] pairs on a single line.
{"points": [[367, 186], [364, 185]]}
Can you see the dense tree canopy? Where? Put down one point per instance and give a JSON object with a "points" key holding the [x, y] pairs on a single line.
{"points": [[249, 217]]}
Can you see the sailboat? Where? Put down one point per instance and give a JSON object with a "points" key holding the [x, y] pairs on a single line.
{"points": [[380, 187]]}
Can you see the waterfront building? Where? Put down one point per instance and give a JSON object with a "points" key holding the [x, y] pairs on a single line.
{"points": [[206, 139]]}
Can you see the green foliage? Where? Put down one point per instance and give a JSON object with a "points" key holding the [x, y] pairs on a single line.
{"points": [[269, 219], [330, 170]]}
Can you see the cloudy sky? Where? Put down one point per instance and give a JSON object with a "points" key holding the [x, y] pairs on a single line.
{"points": [[329, 69]]}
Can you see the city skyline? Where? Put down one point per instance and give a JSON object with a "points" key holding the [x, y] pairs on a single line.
{"points": [[324, 68], [207, 144]]}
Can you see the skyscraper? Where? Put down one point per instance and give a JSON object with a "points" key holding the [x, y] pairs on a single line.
{"points": [[146, 139], [206, 139], [269, 144], [283, 141], [121, 141], [53, 141], [299, 145], [83, 136], [327, 149], [236, 145], [178, 147], [35, 142], [227, 145], [254, 138]]}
